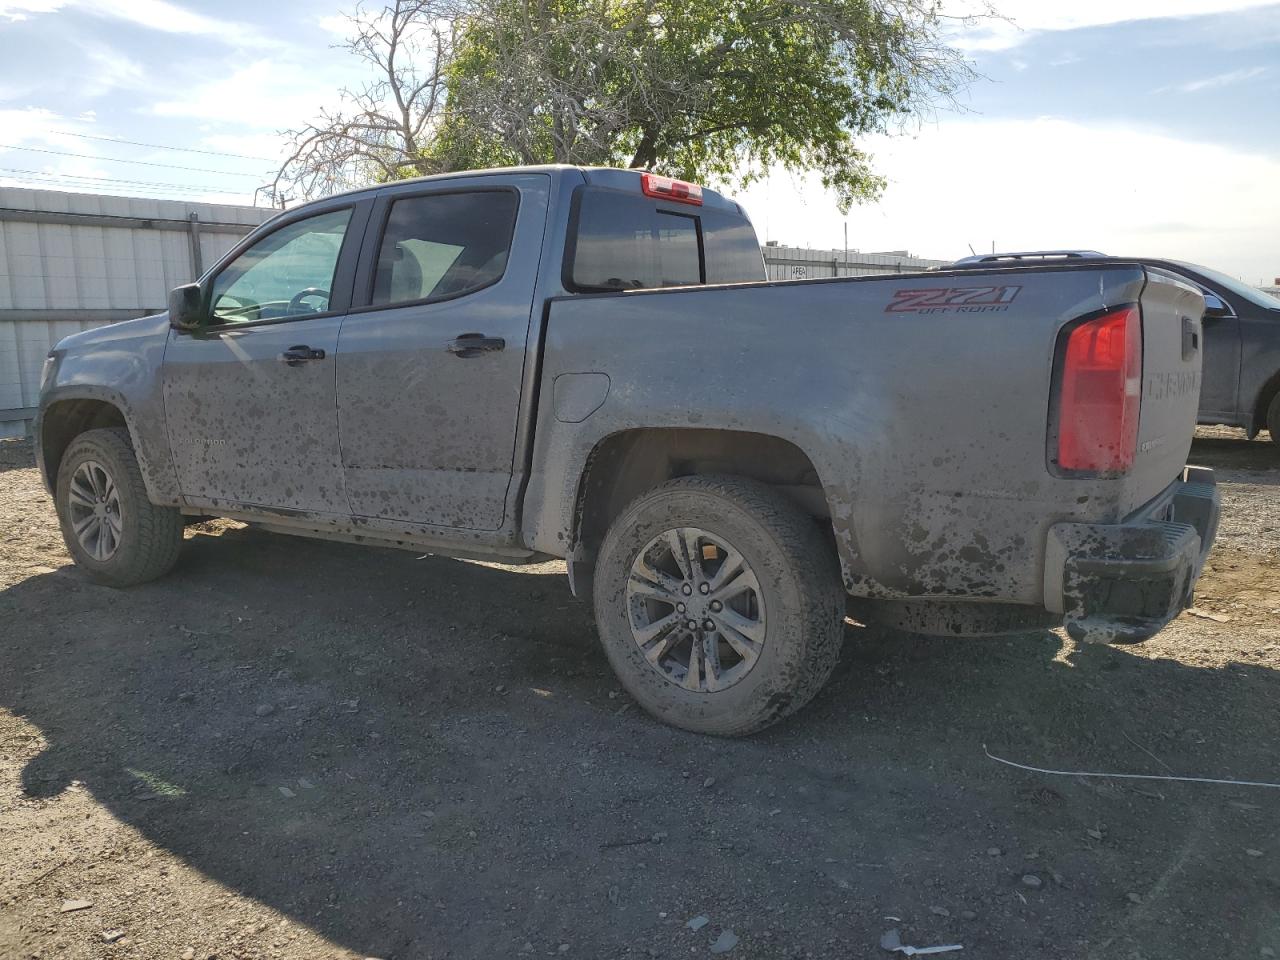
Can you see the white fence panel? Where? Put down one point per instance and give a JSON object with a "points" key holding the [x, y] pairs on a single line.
{"points": [[71, 261]]}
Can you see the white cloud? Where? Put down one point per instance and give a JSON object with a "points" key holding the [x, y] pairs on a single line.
{"points": [[153, 14], [14, 92], [172, 18], [105, 69], [37, 125], [338, 24], [25, 9], [1044, 184], [1033, 16], [267, 94], [1223, 79]]}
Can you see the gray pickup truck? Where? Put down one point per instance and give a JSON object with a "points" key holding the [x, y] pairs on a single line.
{"points": [[521, 364]]}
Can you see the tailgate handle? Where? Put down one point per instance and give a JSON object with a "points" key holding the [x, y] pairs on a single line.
{"points": [[1190, 338]]}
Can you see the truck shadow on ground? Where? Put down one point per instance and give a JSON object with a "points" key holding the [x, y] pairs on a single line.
{"points": [[462, 776]]}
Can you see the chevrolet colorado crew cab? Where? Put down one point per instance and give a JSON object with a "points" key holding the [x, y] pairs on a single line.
{"points": [[515, 365]]}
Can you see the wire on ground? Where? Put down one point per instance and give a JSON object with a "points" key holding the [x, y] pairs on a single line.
{"points": [[1127, 776]]}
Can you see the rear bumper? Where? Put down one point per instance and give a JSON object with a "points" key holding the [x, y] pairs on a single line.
{"points": [[1120, 583]]}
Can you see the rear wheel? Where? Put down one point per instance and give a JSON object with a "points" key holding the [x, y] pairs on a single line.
{"points": [[113, 532], [719, 604]]}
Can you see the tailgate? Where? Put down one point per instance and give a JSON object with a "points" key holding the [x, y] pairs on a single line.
{"points": [[1172, 346]]}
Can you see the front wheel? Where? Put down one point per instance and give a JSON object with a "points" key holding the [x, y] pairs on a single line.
{"points": [[1273, 418], [113, 532], [719, 604]]}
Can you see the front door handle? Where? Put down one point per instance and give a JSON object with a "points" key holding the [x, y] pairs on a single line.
{"points": [[295, 356], [474, 344]]}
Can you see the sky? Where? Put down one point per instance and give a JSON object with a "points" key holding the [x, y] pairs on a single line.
{"points": [[1135, 127]]}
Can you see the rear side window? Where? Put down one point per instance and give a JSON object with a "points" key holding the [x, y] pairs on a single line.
{"points": [[624, 242], [444, 245], [732, 250]]}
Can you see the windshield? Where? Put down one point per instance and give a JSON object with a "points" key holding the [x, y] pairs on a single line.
{"points": [[1232, 285]]}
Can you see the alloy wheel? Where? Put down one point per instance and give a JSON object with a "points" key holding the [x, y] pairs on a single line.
{"points": [[94, 506], [696, 609]]}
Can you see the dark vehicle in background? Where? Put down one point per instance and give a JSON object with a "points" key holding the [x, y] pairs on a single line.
{"points": [[1241, 367]]}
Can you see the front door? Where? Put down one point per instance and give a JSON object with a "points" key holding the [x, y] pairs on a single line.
{"points": [[430, 368], [250, 396]]}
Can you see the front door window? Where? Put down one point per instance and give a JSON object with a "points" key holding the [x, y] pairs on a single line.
{"points": [[287, 274]]}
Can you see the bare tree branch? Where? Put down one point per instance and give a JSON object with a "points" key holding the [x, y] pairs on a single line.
{"points": [[382, 129]]}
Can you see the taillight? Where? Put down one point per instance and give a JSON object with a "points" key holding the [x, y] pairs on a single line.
{"points": [[1100, 393], [664, 188]]}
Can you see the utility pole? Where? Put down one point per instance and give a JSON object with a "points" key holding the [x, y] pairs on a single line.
{"points": [[846, 248]]}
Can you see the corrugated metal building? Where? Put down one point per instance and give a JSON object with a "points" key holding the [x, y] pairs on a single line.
{"points": [[796, 263], [69, 261]]}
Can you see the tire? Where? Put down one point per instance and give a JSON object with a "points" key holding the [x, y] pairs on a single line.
{"points": [[1273, 418], [797, 612], [142, 540]]}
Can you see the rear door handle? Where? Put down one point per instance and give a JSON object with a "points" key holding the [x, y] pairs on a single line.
{"points": [[473, 344], [295, 356]]}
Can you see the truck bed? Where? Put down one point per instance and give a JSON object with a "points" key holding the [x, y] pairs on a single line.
{"points": [[922, 401]]}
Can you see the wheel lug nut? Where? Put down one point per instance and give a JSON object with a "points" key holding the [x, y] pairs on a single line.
{"points": [[704, 588], [708, 625], [686, 590], [693, 624], [716, 606], [679, 608]]}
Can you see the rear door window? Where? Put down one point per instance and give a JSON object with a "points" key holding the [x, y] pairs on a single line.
{"points": [[444, 245]]}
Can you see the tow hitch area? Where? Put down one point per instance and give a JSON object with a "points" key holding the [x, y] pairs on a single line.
{"points": [[1121, 583]]}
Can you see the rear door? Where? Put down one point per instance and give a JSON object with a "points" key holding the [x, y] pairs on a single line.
{"points": [[430, 362]]}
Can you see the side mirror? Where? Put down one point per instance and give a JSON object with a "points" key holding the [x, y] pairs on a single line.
{"points": [[186, 307], [1215, 307]]}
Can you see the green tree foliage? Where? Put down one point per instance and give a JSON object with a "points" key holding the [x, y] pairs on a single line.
{"points": [[715, 91], [707, 90]]}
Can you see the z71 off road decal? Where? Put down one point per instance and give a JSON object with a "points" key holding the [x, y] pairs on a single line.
{"points": [[953, 300]]}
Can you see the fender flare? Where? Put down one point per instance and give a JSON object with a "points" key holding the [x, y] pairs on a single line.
{"points": [[154, 459]]}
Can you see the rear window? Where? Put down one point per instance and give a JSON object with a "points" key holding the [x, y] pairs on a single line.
{"points": [[624, 241]]}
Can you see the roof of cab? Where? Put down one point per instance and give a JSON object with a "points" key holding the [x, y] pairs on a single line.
{"points": [[614, 178]]}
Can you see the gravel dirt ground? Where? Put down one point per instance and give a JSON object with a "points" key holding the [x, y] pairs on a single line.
{"points": [[308, 750]]}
